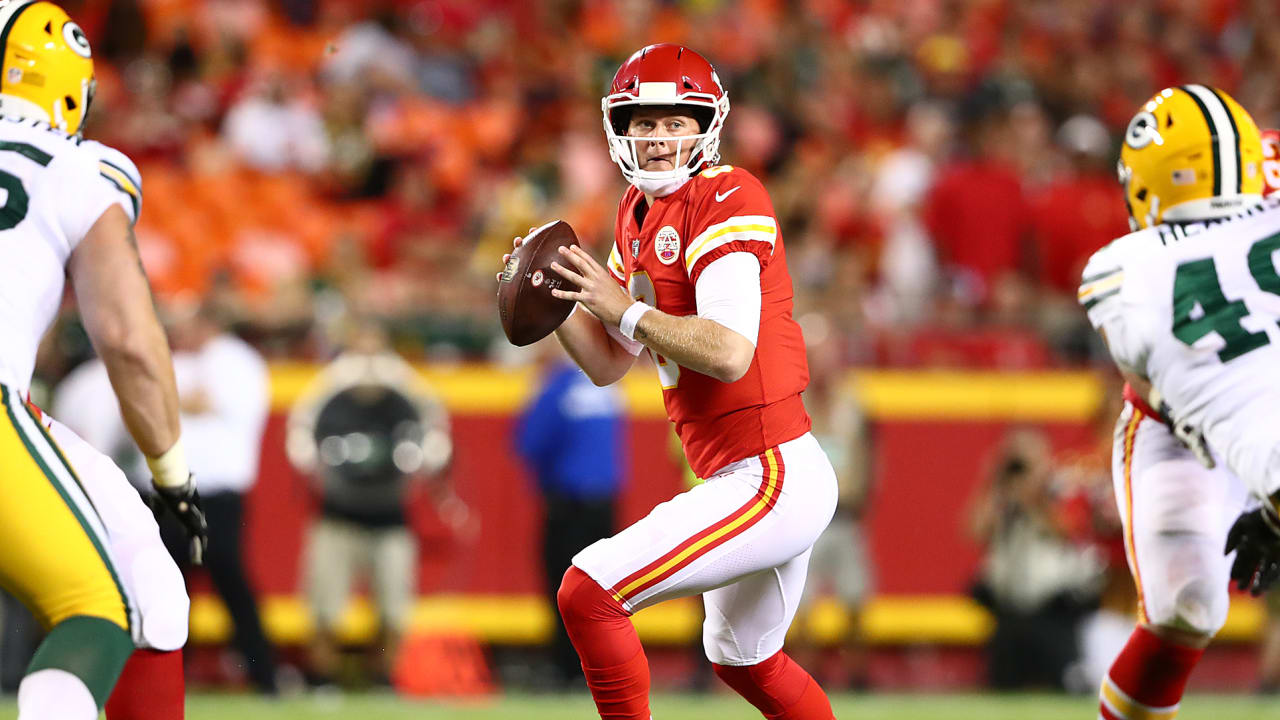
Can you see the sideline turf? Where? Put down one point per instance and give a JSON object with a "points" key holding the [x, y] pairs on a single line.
{"points": [[694, 707]]}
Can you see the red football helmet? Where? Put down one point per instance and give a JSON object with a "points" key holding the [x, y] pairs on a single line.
{"points": [[1270, 161], [665, 74]]}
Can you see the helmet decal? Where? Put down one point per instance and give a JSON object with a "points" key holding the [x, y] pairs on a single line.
{"points": [[1143, 130], [76, 39]]}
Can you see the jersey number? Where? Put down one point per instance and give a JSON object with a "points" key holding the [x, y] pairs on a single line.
{"points": [[641, 288], [1195, 284], [17, 200]]}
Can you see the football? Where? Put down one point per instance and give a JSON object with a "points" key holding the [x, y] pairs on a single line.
{"points": [[528, 310]]}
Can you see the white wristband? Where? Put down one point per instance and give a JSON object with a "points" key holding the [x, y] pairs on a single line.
{"points": [[627, 325], [170, 469]]}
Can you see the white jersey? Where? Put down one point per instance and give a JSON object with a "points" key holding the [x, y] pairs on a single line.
{"points": [[1195, 309], [55, 187]]}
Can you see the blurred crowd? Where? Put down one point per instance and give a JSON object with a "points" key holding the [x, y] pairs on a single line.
{"points": [[941, 168]]}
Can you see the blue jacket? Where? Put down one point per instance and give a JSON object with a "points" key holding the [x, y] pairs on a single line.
{"points": [[572, 436]]}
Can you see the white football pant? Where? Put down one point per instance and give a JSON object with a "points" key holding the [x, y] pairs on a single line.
{"points": [[742, 539]]}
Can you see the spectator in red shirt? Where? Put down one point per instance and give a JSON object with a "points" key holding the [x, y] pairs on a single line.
{"points": [[977, 215], [1080, 211]]}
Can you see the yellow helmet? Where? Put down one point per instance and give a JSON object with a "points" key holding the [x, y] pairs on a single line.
{"points": [[47, 70], [1191, 153]]}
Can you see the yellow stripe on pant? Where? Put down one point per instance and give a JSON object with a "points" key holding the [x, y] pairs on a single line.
{"points": [[53, 554]]}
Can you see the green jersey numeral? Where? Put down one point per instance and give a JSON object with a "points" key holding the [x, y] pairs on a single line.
{"points": [[1196, 284], [17, 200]]}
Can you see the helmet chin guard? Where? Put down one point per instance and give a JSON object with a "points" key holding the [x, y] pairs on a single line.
{"points": [[665, 75]]}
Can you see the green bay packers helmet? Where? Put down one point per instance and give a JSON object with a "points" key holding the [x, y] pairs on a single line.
{"points": [[48, 70], [1191, 153]]}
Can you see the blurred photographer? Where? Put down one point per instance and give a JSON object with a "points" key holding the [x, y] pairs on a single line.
{"points": [[1035, 580], [365, 432]]}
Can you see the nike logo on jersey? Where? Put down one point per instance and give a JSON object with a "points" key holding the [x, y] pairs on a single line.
{"points": [[721, 196]]}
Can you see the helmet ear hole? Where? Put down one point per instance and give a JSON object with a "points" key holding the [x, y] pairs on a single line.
{"points": [[1141, 195], [620, 119], [70, 102]]}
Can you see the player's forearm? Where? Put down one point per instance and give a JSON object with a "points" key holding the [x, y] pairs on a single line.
{"points": [[696, 343], [141, 373], [589, 344], [120, 318]]}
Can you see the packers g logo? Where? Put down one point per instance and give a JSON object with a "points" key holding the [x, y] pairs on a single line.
{"points": [[75, 38], [1143, 130]]}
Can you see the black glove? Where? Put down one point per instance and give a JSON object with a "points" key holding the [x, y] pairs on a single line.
{"points": [[1255, 538], [184, 502]]}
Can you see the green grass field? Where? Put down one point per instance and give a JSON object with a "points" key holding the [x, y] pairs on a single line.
{"points": [[699, 707]]}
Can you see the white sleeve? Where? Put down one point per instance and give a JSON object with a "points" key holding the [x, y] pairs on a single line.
{"points": [[121, 174], [79, 173], [1100, 287], [1103, 297], [728, 292]]}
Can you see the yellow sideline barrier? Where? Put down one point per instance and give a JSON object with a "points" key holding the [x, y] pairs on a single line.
{"points": [[1057, 396], [526, 620]]}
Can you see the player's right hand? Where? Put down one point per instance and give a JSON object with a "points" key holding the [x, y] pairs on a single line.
{"points": [[1255, 538], [184, 502]]}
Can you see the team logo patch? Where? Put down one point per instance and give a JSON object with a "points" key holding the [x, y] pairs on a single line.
{"points": [[537, 278], [635, 246], [667, 245]]}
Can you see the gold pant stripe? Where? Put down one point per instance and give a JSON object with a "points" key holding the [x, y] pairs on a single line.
{"points": [[1130, 545], [58, 536]]}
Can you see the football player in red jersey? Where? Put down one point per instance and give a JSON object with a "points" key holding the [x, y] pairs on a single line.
{"points": [[698, 277]]}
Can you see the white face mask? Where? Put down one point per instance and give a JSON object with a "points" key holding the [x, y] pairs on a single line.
{"points": [[699, 150]]}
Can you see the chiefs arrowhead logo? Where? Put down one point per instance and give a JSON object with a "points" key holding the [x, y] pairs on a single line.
{"points": [[666, 245]]}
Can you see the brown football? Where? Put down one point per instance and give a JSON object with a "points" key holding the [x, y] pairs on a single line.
{"points": [[528, 310]]}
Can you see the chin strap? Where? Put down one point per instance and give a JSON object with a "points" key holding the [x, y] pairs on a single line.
{"points": [[660, 187]]}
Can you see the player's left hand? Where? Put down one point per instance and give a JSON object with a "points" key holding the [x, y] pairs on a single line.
{"points": [[597, 290], [1255, 538], [184, 502]]}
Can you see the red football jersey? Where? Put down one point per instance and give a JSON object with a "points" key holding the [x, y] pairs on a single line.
{"points": [[658, 259]]}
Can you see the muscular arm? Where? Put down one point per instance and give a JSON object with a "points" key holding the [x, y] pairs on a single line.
{"points": [[119, 315], [697, 343]]}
